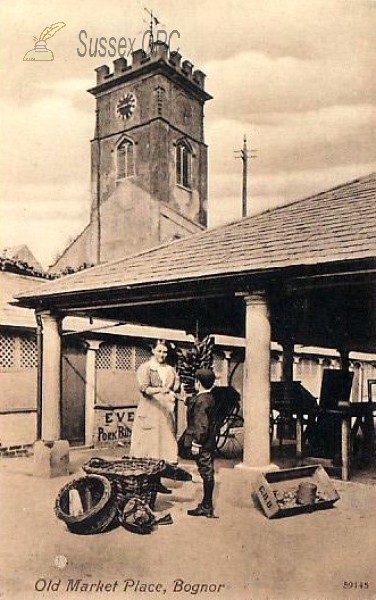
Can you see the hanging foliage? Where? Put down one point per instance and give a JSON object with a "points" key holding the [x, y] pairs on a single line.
{"points": [[189, 360], [13, 265]]}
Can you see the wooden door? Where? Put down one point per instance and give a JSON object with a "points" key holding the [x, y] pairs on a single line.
{"points": [[73, 393]]}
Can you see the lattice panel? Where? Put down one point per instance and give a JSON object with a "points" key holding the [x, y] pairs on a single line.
{"points": [[141, 355], [29, 354], [124, 358], [7, 351], [103, 357]]}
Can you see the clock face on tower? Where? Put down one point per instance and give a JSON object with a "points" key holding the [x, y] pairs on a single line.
{"points": [[126, 106]]}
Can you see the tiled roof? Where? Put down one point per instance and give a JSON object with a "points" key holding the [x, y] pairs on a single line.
{"points": [[336, 225], [13, 284]]}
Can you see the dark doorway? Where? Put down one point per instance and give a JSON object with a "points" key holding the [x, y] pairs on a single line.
{"points": [[73, 393]]}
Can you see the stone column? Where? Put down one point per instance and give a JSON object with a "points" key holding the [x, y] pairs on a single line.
{"points": [[90, 390], [51, 377], [226, 367], [256, 388]]}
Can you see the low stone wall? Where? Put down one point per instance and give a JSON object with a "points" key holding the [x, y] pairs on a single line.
{"points": [[18, 427], [16, 450]]}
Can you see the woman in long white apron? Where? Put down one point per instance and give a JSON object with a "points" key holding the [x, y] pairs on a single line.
{"points": [[153, 432]]}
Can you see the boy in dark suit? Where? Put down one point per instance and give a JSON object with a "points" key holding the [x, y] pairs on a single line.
{"points": [[200, 437]]}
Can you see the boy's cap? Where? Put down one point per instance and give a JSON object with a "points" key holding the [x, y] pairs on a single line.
{"points": [[206, 377]]}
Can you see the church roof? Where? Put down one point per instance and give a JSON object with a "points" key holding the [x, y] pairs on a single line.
{"points": [[333, 226], [23, 254]]}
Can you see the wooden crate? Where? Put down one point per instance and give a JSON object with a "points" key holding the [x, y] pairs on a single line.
{"points": [[275, 488]]}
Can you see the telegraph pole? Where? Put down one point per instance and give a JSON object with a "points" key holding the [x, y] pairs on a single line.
{"points": [[245, 156]]}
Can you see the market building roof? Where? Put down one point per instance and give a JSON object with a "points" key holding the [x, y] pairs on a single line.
{"points": [[334, 226]]}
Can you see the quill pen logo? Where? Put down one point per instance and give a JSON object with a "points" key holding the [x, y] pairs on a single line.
{"points": [[40, 51]]}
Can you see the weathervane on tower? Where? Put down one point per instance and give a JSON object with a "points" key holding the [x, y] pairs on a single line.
{"points": [[153, 22]]}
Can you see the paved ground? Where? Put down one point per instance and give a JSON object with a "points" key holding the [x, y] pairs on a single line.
{"points": [[241, 555]]}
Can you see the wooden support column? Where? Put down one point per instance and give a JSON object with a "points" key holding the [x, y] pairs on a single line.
{"points": [[287, 377], [299, 438], [346, 421], [51, 377], [288, 363], [90, 390], [345, 360], [256, 387], [345, 442]]}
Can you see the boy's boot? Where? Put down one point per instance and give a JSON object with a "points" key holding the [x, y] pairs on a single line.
{"points": [[205, 508]]}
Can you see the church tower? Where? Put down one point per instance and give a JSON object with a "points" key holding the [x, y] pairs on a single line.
{"points": [[150, 133], [149, 160]]}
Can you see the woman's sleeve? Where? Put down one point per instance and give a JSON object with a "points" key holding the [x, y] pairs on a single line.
{"points": [[143, 377]]}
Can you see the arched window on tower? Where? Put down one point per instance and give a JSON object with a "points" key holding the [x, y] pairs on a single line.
{"points": [[125, 159], [183, 164]]}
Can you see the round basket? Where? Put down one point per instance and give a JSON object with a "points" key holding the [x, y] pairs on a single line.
{"points": [[141, 487], [130, 476], [97, 498]]}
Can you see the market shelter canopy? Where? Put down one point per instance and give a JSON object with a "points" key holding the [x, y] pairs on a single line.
{"points": [[302, 273], [315, 259]]}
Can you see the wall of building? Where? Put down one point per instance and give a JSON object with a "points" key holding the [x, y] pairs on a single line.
{"points": [[18, 390], [116, 366], [129, 222], [79, 252], [117, 389], [18, 371], [17, 428]]}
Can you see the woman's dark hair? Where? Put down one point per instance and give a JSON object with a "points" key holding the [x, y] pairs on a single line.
{"points": [[160, 342]]}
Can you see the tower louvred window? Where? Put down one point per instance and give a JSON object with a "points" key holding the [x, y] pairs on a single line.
{"points": [[183, 165], [125, 160]]}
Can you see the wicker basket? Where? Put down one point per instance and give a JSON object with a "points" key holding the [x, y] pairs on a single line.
{"points": [[131, 477], [98, 497]]}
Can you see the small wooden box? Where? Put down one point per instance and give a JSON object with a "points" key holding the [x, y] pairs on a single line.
{"points": [[277, 491]]}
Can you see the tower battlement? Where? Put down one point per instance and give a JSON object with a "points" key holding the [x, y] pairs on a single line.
{"points": [[160, 54]]}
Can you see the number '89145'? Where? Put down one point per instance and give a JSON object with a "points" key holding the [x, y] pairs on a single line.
{"points": [[356, 585]]}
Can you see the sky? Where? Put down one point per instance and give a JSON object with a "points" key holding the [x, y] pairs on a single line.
{"points": [[296, 76]]}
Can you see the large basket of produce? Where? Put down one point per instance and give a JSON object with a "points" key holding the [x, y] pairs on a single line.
{"points": [[131, 477], [88, 504]]}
